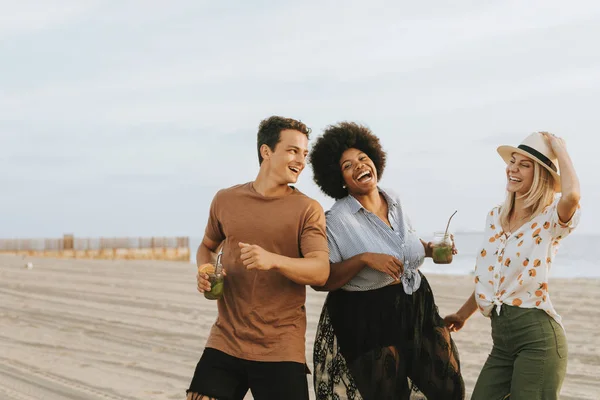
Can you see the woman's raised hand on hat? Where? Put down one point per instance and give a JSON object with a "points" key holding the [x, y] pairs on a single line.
{"points": [[569, 200], [556, 143]]}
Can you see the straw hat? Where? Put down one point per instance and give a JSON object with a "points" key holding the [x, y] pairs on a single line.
{"points": [[536, 147]]}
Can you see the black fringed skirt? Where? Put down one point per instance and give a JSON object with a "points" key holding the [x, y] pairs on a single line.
{"points": [[384, 344]]}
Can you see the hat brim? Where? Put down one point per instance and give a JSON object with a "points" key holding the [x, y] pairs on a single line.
{"points": [[506, 153]]}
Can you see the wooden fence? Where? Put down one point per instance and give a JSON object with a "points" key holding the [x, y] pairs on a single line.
{"points": [[69, 246]]}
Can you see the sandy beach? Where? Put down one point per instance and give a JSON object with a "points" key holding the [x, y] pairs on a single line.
{"points": [[122, 330]]}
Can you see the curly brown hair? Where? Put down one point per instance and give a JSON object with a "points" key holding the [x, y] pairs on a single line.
{"points": [[328, 149], [269, 131]]}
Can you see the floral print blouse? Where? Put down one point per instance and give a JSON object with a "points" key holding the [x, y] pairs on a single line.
{"points": [[513, 268]]}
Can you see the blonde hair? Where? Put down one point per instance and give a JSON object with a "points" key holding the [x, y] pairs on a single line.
{"points": [[540, 194]]}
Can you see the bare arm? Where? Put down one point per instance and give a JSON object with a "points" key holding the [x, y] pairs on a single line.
{"points": [[469, 307], [206, 251], [457, 321], [342, 272], [312, 269], [569, 200]]}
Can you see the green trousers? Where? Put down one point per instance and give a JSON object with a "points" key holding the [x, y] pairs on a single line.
{"points": [[528, 360]]}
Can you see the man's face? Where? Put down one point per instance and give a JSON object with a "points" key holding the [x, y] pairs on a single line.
{"points": [[288, 159]]}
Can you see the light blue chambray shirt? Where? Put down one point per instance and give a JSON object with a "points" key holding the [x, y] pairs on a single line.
{"points": [[352, 230]]}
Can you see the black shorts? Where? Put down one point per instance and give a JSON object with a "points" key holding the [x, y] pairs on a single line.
{"points": [[224, 377]]}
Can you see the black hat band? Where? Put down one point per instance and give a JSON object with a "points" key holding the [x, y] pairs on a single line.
{"points": [[539, 156]]}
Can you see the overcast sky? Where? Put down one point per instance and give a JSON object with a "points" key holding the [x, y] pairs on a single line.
{"points": [[125, 117]]}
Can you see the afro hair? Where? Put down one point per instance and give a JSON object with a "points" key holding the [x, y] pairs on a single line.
{"points": [[328, 149]]}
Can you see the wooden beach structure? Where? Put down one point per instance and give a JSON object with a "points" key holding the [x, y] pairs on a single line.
{"points": [[125, 248]]}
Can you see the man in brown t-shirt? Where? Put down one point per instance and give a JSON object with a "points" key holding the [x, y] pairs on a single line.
{"points": [[274, 244]]}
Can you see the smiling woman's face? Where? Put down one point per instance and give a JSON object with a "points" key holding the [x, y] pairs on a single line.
{"points": [[358, 171], [519, 174]]}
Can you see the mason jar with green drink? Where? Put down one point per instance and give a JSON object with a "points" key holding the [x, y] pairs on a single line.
{"points": [[442, 248], [215, 277]]}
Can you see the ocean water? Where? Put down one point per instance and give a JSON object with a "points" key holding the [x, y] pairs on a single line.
{"points": [[575, 258]]}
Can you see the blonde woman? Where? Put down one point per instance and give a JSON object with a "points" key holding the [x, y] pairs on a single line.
{"points": [[529, 355]]}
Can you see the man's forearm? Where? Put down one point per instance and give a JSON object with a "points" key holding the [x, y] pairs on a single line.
{"points": [[204, 255], [310, 270]]}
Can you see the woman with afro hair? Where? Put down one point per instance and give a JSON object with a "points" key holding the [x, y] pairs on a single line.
{"points": [[380, 335]]}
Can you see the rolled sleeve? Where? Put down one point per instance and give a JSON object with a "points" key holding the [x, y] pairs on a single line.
{"points": [[559, 228], [313, 237], [214, 230]]}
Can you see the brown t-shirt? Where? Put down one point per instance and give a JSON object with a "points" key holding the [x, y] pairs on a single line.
{"points": [[261, 314]]}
